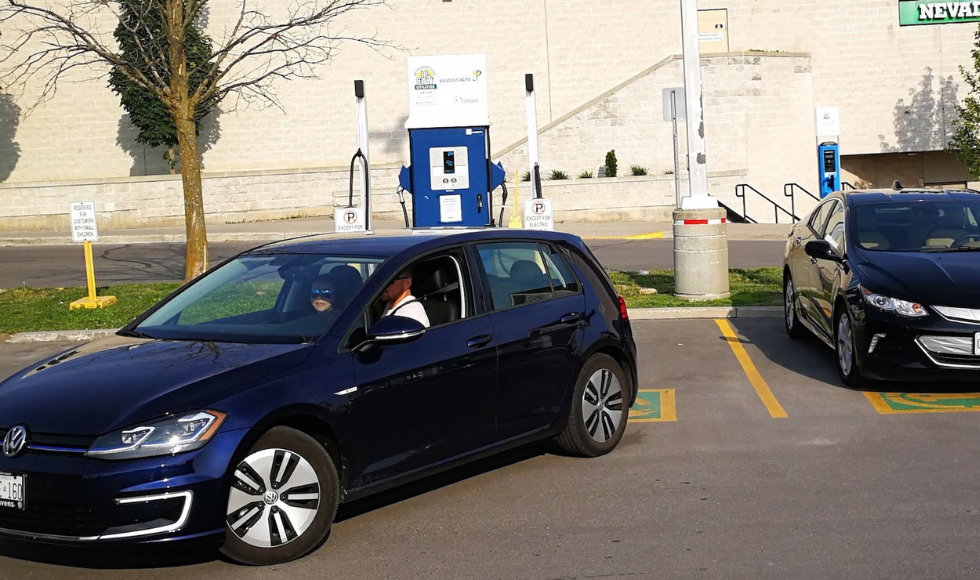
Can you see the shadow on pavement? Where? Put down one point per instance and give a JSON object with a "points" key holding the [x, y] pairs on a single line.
{"points": [[204, 551], [813, 359]]}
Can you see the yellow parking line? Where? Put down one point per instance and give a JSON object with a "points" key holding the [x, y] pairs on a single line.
{"points": [[758, 383], [649, 236]]}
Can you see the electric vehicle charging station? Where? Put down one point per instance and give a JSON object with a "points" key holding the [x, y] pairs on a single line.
{"points": [[451, 178], [829, 155], [827, 121], [358, 219]]}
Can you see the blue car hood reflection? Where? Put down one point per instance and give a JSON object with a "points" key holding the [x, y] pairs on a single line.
{"points": [[114, 382]]}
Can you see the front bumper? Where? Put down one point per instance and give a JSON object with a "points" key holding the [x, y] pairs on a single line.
{"points": [[70, 498], [927, 349]]}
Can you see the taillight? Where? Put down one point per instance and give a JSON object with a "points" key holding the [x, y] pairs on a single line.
{"points": [[623, 314]]}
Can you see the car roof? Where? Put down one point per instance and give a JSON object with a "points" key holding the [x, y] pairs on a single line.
{"points": [[388, 246], [862, 196]]}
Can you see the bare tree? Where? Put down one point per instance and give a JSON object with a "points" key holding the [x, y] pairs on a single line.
{"points": [[254, 54]]}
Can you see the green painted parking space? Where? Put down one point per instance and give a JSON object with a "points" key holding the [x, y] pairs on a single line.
{"points": [[653, 405], [892, 403]]}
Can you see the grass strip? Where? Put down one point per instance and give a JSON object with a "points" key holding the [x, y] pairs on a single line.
{"points": [[33, 309]]}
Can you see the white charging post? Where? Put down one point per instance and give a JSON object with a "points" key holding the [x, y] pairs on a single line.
{"points": [[532, 131], [358, 219]]}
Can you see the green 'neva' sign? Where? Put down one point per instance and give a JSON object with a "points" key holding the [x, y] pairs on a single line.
{"points": [[912, 12]]}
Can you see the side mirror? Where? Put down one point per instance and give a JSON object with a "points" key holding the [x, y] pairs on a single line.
{"points": [[821, 250], [392, 330]]}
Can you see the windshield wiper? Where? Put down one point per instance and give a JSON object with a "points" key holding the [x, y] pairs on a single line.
{"points": [[134, 334]]}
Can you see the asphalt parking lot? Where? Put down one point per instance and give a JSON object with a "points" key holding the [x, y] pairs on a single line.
{"points": [[746, 459]]}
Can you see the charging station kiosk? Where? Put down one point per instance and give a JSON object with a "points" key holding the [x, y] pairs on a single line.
{"points": [[828, 154], [451, 177]]}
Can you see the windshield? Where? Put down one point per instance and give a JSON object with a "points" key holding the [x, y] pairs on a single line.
{"points": [[942, 225], [273, 298]]}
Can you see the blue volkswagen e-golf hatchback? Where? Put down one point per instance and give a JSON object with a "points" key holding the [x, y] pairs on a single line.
{"points": [[250, 403]]}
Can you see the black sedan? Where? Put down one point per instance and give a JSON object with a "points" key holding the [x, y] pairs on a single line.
{"points": [[300, 375], [891, 280]]}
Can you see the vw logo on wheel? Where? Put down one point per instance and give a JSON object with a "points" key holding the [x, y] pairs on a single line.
{"points": [[15, 441]]}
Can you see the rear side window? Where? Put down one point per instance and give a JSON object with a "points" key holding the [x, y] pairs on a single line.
{"points": [[525, 272]]}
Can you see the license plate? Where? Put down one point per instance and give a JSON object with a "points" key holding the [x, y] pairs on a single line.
{"points": [[12, 491]]}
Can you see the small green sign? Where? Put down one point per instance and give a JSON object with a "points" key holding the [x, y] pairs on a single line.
{"points": [[890, 403], [914, 12], [653, 405]]}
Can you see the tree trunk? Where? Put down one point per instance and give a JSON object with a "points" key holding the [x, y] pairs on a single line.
{"points": [[182, 109], [190, 172]]}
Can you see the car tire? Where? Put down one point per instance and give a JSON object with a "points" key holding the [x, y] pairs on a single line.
{"points": [[599, 410], [282, 499], [846, 350], [791, 317]]}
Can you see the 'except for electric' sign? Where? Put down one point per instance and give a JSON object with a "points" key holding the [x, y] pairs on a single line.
{"points": [[913, 12]]}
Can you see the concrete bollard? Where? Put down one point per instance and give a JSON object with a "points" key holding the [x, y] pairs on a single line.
{"points": [[700, 254]]}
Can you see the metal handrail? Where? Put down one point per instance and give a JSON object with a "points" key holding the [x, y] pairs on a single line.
{"points": [[844, 186], [740, 190], [789, 190]]}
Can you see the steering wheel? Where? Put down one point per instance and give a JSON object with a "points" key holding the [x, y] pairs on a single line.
{"points": [[960, 240]]}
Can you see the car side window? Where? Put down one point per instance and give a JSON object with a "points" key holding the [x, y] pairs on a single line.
{"points": [[819, 217], [518, 272], [562, 280], [835, 228]]}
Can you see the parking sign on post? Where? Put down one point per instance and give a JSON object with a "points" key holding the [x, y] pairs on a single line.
{"points": [[83, 225], [538, 215], [85, 229], [348, 219]]}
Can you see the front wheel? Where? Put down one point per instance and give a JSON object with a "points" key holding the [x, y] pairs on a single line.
{"points": [[282, 499], [599, 410], [844, 344]]}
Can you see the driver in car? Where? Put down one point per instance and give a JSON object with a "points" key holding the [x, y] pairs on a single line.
{"points": [[399, 299]]}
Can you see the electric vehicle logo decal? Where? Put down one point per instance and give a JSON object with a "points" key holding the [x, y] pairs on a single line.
{"points": [[425, 79]]}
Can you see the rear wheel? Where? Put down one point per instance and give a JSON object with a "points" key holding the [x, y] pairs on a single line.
{"points": [[790, 308], [599, 410], [282, 499]]}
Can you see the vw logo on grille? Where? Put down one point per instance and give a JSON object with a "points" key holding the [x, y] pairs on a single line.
{"points": [[15, 441]]}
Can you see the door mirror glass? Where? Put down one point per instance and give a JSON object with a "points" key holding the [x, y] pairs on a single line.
{"points": [[821, 250], [392, 330]]}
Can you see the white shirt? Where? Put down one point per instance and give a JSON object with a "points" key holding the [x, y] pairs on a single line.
{"points": [[409, 308]]}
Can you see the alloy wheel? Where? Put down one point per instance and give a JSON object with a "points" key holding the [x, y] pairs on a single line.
{"points": [[845, 345], [274, 498], [602, 405]]}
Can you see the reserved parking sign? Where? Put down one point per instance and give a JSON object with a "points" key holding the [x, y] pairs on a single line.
{"points": [[348, 219], [538, 215]]}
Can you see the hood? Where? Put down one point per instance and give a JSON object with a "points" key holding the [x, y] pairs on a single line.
{"points": [[933, 278], [113, 382]]}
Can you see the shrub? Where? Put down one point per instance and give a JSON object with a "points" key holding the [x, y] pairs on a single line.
{"points": [[668, 171], [558, 174], [585, 174], [638, 170], [611, 164], [526, 176]]}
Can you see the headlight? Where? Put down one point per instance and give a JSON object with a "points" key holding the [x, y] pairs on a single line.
{"points": [[165, 437], [894, 305]]}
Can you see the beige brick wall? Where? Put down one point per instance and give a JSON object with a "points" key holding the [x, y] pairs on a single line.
{"points": [[895, 87]]}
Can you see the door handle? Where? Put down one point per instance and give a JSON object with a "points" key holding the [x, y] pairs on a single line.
{"points": [[813, 260], [799, 240], [571, 317], [478, 341]]}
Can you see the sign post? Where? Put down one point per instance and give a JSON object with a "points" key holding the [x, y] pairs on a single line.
{"points": [[84, 229], [675, 110]]}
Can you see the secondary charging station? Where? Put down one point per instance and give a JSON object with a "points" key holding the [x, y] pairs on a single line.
{"points": [[829, 156], [828, 149], [451, 177]]}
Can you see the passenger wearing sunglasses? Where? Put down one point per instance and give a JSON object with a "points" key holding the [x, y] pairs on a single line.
{"points": [[323, 294], [398, 296]]}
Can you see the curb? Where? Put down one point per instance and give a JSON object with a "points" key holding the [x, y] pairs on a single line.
{"points": [[636, 314]]}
